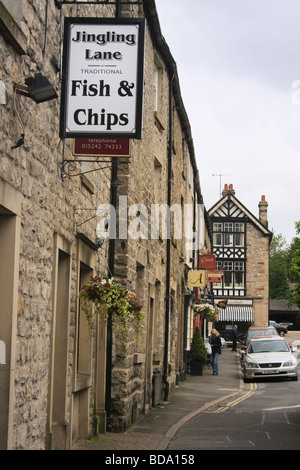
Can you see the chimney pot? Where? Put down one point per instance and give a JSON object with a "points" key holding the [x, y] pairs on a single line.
{"points": [[228, 188]]}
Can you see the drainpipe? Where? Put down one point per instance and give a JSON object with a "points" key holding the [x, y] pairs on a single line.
{"points": [[111, 266], [168, 263]]}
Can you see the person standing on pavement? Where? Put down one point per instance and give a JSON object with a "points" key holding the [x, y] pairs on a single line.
{"points": [[216, 345], [233, 337]]}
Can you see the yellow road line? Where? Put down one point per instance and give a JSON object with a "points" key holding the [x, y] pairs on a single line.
{"points": [[239, 400]]}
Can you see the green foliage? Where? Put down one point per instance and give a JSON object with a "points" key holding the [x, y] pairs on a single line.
{"points": [[209, 311], [198, 351], [295, 265], [104, 297], [285, 268], [279, 268]]}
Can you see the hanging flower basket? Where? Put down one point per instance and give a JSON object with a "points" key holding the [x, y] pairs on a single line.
{"points": [[110, 296], [210, 312]]}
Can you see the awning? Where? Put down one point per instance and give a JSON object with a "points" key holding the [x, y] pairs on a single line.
{"points": [[236, 313]]}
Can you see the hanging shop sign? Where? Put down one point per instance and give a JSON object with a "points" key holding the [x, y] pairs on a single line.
{"points": [[196, 278], [102, 87], [214, 276], [95, 147], [207, 261]]}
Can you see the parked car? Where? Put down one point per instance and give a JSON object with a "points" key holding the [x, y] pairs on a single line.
{"points": [[255, 331], [282, 330], [269, 356], [287, 325]]}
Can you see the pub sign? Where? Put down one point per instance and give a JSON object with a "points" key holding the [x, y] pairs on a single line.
{"points": [[102, 86], [196, 278], [207, 261]]}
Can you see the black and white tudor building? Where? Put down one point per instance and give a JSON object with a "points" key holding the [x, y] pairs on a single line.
{"points": [[241, 244]]}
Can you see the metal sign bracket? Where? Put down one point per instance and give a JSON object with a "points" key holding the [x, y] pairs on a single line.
{"points": [[70, 167], [59, 3]]}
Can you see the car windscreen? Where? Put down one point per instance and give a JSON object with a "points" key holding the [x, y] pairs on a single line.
{"points": [[268, 346], [263, 331]]}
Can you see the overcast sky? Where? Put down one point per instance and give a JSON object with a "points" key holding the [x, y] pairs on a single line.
{"points": [[237, 62]]}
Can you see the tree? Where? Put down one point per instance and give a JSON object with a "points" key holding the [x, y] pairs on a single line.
{"points": [[295, 265], [198, 353], [279, 268], [198, 349]]}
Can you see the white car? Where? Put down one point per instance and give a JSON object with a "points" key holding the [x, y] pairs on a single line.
{"points": [[269, 356]]}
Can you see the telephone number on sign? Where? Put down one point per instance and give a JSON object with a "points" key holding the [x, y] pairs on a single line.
{"points": [[101, 146]]}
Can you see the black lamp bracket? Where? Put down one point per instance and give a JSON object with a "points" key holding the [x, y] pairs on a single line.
{"points": [[21, 89]]}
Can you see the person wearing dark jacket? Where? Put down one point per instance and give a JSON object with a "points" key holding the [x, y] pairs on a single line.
{"points": [[233, 337], [216, 345]]}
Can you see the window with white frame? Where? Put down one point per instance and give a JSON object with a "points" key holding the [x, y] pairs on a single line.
{"points": [[218, 239], [239, 268], [228, 239], [239, 227], [228, 227], [218, 227], [228, 273], [217, 234]]}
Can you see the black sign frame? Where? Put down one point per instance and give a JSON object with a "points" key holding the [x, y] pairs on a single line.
{"points": [[136, 131]]}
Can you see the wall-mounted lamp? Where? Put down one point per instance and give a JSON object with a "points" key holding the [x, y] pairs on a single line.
{"points": [[38, 88]]}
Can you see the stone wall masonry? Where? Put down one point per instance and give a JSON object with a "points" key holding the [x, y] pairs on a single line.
{"points": [[257, 261], [49, 206], [55, 208], [137, 181], [258, 272]]}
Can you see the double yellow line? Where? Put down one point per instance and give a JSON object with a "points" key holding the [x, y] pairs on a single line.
{"points": [[239, 400]]}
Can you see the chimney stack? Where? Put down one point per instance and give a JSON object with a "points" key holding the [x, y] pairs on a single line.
{"points": [[228, 188], [263, 211]]}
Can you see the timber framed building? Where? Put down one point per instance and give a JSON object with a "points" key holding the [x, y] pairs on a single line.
{"points": [[241, 244]]}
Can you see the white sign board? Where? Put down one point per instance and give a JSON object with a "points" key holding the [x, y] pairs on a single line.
{"points": [[102, 88]]}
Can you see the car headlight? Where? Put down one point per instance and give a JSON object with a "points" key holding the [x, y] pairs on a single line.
{"points": [[251, 365], [288, 363]]}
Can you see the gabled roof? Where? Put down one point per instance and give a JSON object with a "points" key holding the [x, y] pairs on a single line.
{"points": [[230, 207]]}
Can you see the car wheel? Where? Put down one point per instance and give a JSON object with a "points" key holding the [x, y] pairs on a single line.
{"points": [[246, 381], [295, 379]]}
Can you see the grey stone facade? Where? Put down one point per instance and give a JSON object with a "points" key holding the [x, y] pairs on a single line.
{"points": [[54, 372]]}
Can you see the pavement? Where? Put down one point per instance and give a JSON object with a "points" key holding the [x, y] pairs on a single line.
{"points": [[155, 430]]}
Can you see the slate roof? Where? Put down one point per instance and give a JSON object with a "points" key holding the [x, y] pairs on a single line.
{"points": [[281, 306]]}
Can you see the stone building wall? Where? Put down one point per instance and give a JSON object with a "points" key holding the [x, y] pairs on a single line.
{"points": [[50, 207], [258, 273], [55, 369], [144, 259]]}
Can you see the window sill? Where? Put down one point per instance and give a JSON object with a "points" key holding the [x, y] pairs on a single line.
{"points": [[82, 381], [11, 30]]}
